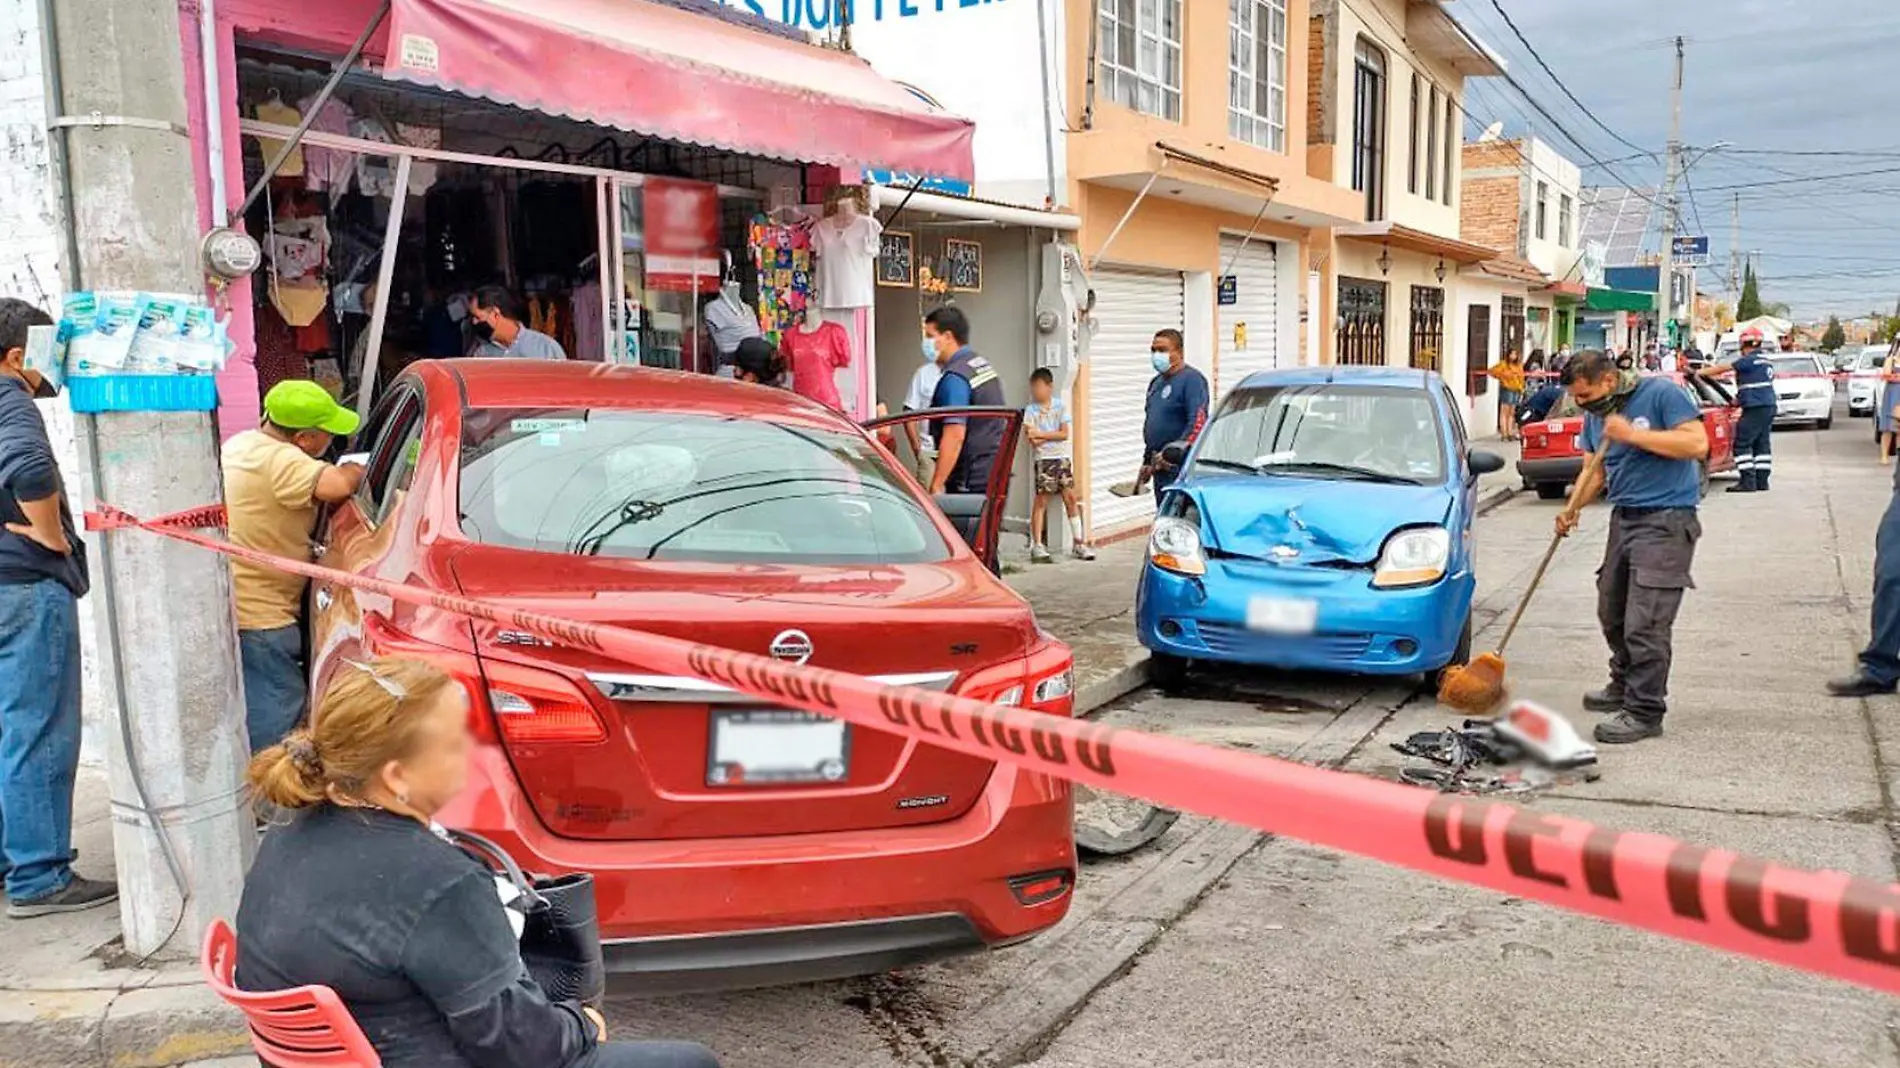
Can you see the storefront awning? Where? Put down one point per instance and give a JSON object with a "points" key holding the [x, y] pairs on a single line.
{"points": [[1396, 236], [1619, 300], [1568, 290], [675, 74]]}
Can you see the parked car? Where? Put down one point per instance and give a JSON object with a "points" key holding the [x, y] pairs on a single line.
{"points": [[1322, 521], [733, 843], [1552, 456], [1864, 381], [1803, 391]]}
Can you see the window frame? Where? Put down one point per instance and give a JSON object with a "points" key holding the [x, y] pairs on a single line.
{"points": [[1566, 219], [1431, 146], [1122, 77], [1452, 141], [1369, 121], [1427, 327], [1359, 337], [1542, 212], [1411, 163], [401, 419], [1246, 42]]}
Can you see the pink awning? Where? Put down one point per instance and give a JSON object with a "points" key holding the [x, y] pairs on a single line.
{"points": [[678, 75]]}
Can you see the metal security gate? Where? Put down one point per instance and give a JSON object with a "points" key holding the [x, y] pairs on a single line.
{"points": [[1250, 326], [1361, 335], [1130, 305]]}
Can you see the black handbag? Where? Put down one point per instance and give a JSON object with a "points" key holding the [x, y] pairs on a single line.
{"points": [[561, 942]]}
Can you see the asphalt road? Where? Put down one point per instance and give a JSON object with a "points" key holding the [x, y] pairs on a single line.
{"points": [[1220, 947]]}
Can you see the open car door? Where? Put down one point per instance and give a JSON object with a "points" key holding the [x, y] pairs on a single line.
{"points": [[977, 516]]}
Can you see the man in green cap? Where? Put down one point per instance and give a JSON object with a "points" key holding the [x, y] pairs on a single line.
{"points": [[273, 483]]}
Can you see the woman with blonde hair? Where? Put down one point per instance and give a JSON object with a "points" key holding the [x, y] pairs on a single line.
{"points": [[360, 893]]}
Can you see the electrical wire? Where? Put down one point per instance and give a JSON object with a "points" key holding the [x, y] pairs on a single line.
{"points": [[1559, 82]]}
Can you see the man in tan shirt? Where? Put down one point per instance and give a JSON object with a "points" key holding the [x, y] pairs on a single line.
{"points": [[273, 484]]}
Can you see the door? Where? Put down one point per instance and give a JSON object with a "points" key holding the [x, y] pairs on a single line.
{"points": [[1130, 305], [1513, 324], [978, 517], [1361, 333], [1477, 349], [1250, 325]]}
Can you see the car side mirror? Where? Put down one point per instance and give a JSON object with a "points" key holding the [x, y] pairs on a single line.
{"points": [[1174, 452], [1483, 463]]}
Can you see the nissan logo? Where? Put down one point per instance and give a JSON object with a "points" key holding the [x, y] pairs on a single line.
{"points": [[793, 646]]}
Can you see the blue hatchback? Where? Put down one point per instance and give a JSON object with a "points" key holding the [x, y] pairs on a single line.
{"points": [[1322, 521]]}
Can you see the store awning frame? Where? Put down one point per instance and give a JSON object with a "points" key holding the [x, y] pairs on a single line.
{"points": [[1405, 237], [678, 75]]}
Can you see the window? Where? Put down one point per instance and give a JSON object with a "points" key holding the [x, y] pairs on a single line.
{"points": [[1368, 126], [1431, 148], [1511, 325], [1141, 54], [1256, 72], [1411, 161], [1452, 140], [647, 484], [1360, 338], [1329, 432], [1543, 207], [393, 444], [1428, 326], [1563, 219]]}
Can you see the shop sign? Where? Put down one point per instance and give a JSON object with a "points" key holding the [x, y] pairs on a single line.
{"points": [[682, 235], [1229, 290], [904, 180], [963, 264], [896, 259], [824, 14]]}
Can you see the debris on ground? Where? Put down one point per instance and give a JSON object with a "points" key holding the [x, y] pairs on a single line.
{"points": [[1528, 748], [1113, 825]]}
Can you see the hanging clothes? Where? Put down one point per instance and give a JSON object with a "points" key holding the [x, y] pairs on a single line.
{"points": [[278, 113], [329, 169], [815, 357], [590, 336]]}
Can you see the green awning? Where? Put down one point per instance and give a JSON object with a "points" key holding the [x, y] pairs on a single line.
{"points": [[1619, 300]]}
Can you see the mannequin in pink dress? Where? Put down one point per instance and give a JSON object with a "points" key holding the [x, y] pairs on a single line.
{"points": [[816, 349]]}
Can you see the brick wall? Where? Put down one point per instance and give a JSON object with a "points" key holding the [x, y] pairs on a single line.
{"points": [[1487, 155], [1488, 212], [1319, 88]]}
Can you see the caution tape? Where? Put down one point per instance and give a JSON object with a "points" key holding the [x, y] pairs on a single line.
{"points": [[1824, 922]]}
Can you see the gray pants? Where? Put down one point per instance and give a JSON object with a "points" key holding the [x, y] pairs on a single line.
{"points": [[1639, 588]]}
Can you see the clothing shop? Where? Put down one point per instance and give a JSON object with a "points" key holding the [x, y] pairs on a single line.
{"points": [[636, 201]]}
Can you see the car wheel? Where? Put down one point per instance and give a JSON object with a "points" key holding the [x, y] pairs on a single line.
{"points": [[1550, 491], [1459, 657], [1168, 673], [1825, 424]]}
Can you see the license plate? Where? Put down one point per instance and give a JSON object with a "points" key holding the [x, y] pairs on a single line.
{"points": [[774, 746], [1282, 615]]}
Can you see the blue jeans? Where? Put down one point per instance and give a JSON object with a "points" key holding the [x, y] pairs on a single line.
{"points": [[1881, 659], [273, 683], [39, 736]]}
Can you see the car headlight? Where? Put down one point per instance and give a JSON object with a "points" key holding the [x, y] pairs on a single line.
{"points": [[1413, 557], [1175, 545]]}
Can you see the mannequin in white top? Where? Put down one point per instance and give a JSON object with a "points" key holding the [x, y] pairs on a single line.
{"points": [[846, 241], [729, 322]]}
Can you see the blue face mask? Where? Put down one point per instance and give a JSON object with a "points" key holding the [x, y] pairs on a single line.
{"points": [[930, 351], [1160, 361]]}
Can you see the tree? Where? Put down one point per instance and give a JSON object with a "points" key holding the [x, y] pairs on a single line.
{"points": [[1749, 307], [1834, 336]]}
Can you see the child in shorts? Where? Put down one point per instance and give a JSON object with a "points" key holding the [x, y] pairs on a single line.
{"points": [[1046, 422]]}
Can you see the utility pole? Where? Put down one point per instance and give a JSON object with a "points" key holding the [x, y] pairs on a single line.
{"points": [[1735, 249], [181, 829], [1665, 263]]}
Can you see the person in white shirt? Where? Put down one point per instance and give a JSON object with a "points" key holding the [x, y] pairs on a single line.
{"points": [[1047, 424], [923, 386]]}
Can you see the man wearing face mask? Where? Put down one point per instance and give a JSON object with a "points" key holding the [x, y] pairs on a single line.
{"points": [[1176, 409], [42, 576], [273, 484], [1655, 444], [965, 451], [497, 316]]}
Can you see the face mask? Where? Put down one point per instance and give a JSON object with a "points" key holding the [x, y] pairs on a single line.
{"points": [[1604, 405], [485, 331], [1160, 361], [930, 351]]}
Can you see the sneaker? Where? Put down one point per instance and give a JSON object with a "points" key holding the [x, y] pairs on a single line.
{"points": [[76, 896], [1124, 489], [1082, 552], [1040, 555], [1859, 684], [1608, 699], [1627, 727]]}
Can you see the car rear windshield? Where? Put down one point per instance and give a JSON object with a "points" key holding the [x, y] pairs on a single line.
{"points": [[1796, 365], [1379, 433], [654, 485]]}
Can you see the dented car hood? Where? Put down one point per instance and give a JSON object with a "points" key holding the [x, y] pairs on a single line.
{"points": [[1326, 520]]}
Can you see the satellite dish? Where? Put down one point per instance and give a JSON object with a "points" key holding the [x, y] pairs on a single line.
{"points": [[1491, 132]]}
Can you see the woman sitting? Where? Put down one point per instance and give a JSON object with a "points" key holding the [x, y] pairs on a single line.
{"points": [[359, 893]]}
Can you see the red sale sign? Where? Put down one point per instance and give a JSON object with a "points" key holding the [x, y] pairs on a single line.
{"points": [[682, 235]]}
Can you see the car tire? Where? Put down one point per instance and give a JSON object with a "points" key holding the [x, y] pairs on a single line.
{"points": [[1550, 491], [1459, 657], [1168, 673], [1825, 424]]}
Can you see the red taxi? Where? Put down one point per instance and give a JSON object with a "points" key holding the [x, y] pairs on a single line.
{"points": [[1552, 458], [733, 844]]}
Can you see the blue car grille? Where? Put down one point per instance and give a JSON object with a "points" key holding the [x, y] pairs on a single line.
{"points": [[1232, 640]]}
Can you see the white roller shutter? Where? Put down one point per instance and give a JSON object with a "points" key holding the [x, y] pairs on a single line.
{"points": [[1256, 289], [1130, 305]]}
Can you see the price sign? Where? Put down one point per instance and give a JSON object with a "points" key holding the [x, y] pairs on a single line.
{"points": [[896, 259], [964, 265]]}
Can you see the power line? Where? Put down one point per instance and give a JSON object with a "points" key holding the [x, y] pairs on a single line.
{"points": [[1803, 179], [1559, 82]]}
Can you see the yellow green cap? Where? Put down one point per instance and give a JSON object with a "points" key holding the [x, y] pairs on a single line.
{"points": [[300, 404]]}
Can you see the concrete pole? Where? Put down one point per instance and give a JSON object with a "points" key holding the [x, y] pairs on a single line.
{"points": [[1735, 248], [177, 743], [1665, 305]]}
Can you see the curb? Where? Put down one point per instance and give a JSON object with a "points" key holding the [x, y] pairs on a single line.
{"points": [[1111, 687], [1491, 501], [142, 1027]]}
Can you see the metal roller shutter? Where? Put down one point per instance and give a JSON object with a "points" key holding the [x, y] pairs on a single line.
{"points": [[1130, 305], [1256, 289]]}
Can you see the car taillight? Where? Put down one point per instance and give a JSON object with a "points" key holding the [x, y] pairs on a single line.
{"points": [[539, 707], [1044, 680], [1536, 441]]}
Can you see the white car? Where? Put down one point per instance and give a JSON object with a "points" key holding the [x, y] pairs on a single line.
{"points": [[1803, 391], [1863, 380]]}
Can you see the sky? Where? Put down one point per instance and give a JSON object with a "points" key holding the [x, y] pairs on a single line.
{"points": [[1772, 78]]}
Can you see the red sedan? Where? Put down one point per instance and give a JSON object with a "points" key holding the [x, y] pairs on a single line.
{"points": [[733, 844], [1552, 458]]}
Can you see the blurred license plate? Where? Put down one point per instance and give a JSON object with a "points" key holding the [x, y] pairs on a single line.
{"points": [[1282, 615], [771, 745]]}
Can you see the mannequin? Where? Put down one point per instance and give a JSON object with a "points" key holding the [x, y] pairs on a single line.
{"points": [[729, 322], [846, 241], [818, 352]]}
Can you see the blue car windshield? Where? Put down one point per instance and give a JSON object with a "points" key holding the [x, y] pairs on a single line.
{"points": [[1329, 431]]}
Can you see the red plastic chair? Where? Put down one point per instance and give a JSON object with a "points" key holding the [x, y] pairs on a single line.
{"points": [[307, 1027]]}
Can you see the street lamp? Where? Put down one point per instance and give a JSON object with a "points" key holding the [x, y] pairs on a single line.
{"points": [[1440, 270], [1385, 260]]}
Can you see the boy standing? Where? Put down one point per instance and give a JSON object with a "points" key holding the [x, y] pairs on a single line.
{"points": [[1046, 421]]}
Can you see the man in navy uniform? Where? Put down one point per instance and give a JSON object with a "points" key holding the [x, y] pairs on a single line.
{"points": [[966, 451], [1176, 408], [1880, 661], [1655, 442], [1755, 392]]}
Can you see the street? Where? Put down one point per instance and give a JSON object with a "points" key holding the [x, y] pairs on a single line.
{"points": [[1297, 956]]}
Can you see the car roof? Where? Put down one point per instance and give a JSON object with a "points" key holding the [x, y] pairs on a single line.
{"points": [[1407, 377], [510, 383]]}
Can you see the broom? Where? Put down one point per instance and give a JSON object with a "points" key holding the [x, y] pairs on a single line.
{"points": [[1478, 687]]}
